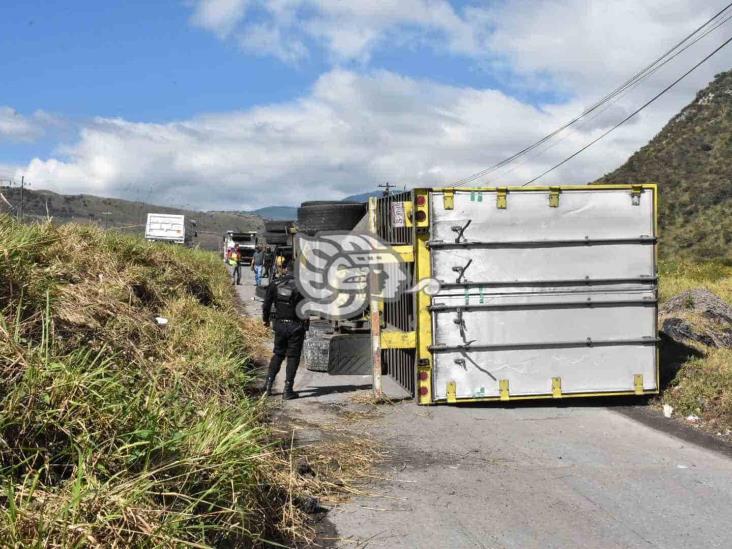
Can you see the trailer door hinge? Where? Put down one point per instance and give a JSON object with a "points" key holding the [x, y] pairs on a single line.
{"points": [[635, 194], [638, 383], [557, 387], [554, 197], [503, 388], [451, 392], [501, 193], [448, 199]]}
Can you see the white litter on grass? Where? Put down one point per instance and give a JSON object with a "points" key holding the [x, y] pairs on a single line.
{"points": [[667, 410], [161, 320], [692, 418]]}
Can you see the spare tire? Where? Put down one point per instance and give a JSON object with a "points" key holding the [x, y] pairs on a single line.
{"points": [[275, 238], [334, 216], [277, 226]]}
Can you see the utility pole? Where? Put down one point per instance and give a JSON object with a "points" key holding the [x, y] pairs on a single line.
{"points": [[106, 218], [22, 186], [386, 186]]}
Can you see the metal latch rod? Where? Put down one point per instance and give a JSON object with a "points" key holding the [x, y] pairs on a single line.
{"points": [[460, 230], [461, 271]]}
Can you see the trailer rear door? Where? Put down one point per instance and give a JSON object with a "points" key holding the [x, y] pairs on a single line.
{"points": [[545, 292]]}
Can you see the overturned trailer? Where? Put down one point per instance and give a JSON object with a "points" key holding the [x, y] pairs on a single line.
{"points": [[544, 292]]}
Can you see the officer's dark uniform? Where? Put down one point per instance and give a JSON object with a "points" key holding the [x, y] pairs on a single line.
{"points": [[289, 331], [268, 263]]}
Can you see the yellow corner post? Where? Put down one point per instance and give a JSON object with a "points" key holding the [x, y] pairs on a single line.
{"points": [[423, 269]]}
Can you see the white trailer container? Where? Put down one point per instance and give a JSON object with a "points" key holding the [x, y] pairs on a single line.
{"points": [[546, 292], [165, 228]]}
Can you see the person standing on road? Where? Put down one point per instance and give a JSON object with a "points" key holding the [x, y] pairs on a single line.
{"points": [[268, 262], [234, 261], [289, 331], [258, 265]]}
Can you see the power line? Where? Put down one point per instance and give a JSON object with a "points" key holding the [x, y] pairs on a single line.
{"points": [[631, 115], [617, 92], [609, 104]]}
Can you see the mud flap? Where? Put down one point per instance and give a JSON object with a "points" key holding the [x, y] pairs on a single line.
{"points": [[350, 354]]}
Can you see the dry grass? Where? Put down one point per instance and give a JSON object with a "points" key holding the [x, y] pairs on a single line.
{"points": [[703, 385], [679, 276], [116, 431]]}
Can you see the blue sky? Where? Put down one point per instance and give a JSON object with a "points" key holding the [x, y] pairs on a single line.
{"points": [[102, 96]]}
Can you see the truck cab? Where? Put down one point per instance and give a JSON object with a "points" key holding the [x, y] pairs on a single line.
{"points": [[247, 242]]}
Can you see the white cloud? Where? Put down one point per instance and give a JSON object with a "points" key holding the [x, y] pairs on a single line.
{"points": [[347, 30], [584, 47], [353, 130], [17, 127], [350, 133], [219, 16]]}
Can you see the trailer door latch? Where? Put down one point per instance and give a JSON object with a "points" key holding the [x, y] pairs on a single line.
{"points": [[460, 230], [461, 271]]}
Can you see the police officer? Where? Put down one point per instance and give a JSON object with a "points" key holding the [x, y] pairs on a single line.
{"points": [[289, 330]]}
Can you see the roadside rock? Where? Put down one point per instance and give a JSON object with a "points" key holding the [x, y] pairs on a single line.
{"points": [[698, 316]]}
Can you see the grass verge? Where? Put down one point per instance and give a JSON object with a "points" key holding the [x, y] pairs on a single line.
{"points": [[703, 385], [117, 430]]}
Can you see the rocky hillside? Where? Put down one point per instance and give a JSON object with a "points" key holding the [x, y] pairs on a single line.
{"points": [[125, 215], [691, 160]]}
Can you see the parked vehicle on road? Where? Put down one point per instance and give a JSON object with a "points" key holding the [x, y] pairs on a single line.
{"points": [[168, 228], [247, 242]]}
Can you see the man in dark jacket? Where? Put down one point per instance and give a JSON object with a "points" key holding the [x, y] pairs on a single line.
{"points": [[289, 330], [268, 262]]}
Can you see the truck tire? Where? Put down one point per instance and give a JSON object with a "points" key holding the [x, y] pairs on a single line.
{"points": [[275, 238], [315, 352], [277, 226], [335, 216]]}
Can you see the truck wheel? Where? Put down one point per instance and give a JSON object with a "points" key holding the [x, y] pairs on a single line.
{"points": [[315, 352], [335, 216]]}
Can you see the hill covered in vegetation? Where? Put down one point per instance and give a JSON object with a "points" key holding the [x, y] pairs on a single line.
{"points": [[691, 160], [124, 215]]}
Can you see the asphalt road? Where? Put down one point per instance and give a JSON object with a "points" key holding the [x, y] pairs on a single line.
{"points": [[573, 474]]}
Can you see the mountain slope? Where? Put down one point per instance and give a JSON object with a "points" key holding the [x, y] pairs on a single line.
{"points": [[691, 160], [121, 214], [277, 212]]}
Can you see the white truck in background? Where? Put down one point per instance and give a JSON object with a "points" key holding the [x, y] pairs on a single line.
{"points": [[167, 228], [247, 242]]}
